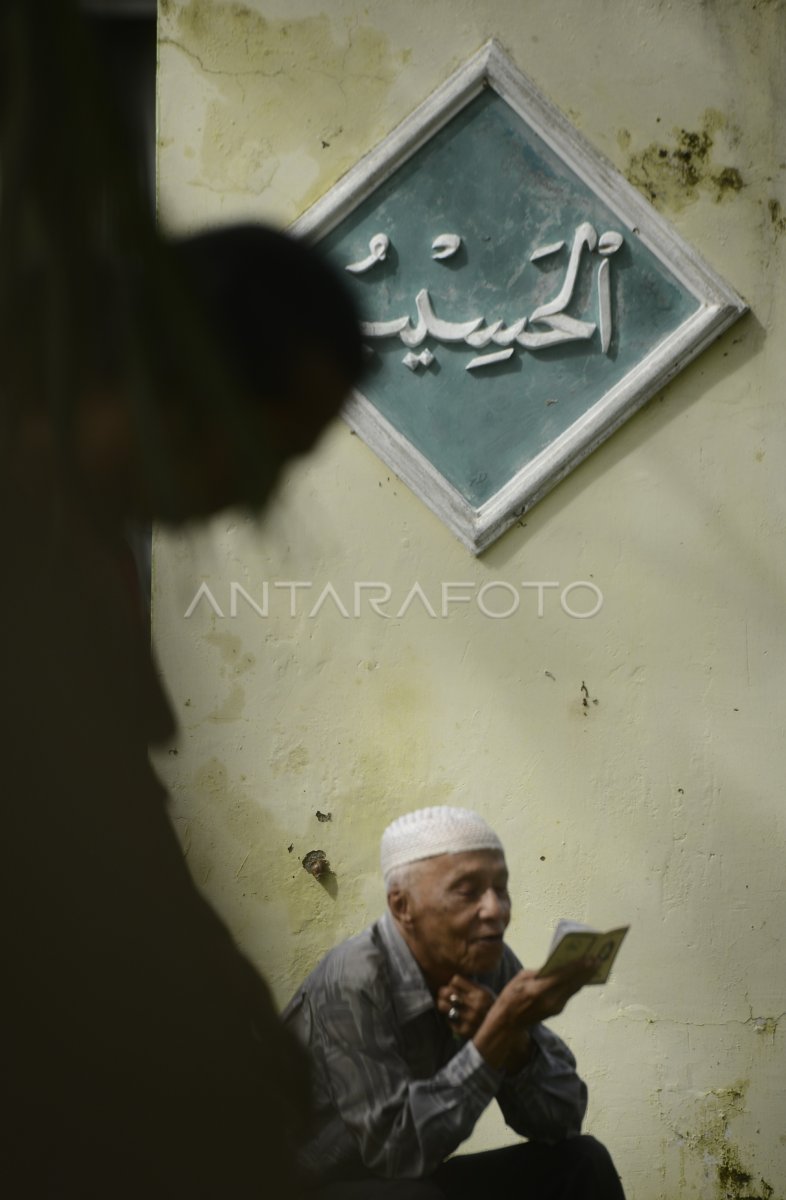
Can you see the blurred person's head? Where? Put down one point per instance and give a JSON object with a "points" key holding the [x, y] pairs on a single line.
{"points": [[286, 340], [191, 398]]}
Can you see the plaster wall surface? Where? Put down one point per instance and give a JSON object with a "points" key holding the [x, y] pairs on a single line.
{"points": [[632, 760]]}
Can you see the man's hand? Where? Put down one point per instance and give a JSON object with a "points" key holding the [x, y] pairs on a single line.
{"points": [[465, 1004], [524, 1001]]}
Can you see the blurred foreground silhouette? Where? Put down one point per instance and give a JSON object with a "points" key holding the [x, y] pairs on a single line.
{"points": [[143, 1057]]}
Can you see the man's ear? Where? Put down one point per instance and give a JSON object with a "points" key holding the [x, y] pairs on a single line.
{"points": [[399, 903]]}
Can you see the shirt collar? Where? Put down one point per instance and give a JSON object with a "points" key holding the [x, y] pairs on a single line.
{"points": [[411, 995]]}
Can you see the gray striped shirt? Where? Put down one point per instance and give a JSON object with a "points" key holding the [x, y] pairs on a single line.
{"points": [[394, 1091]]}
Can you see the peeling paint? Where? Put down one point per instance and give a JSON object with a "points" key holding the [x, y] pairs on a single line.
{"points": [[586, 699], [766, 1025], [316, 863]]}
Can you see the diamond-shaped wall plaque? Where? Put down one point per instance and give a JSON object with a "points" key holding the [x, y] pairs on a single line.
{"points": [[520, 298]]}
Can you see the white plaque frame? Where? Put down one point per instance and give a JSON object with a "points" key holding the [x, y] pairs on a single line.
{"points": [[719, 305]]}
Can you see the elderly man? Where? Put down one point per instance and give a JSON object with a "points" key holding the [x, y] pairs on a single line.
{"points": [[416, 1024]]}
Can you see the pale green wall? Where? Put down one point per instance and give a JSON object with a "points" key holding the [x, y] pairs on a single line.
{"points": [[660, 801]]}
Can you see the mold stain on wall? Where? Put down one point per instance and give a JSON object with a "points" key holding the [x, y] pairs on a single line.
{"points": [[777, 219], [233, 663], [675, 173], [267, 75], [710, 1142]]}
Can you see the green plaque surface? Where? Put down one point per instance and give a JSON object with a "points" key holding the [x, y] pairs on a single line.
{"points": [[520, 299], [489, 179]]}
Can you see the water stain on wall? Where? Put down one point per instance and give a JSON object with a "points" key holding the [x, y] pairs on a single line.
{"points": [[230, 648], [228, 824], [234, 663], [675, 173], [272, 82], [231, 707], [266, 896], [290, 759]]}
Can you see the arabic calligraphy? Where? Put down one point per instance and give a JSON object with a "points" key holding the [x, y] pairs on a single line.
{"points": [[378, 246], [444, 245], [553, 325]]}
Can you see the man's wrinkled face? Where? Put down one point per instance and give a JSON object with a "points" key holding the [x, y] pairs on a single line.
{"points": [[454, 912]]}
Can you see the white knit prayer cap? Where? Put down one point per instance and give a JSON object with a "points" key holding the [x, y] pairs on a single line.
{"points": [[428, 832]]}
